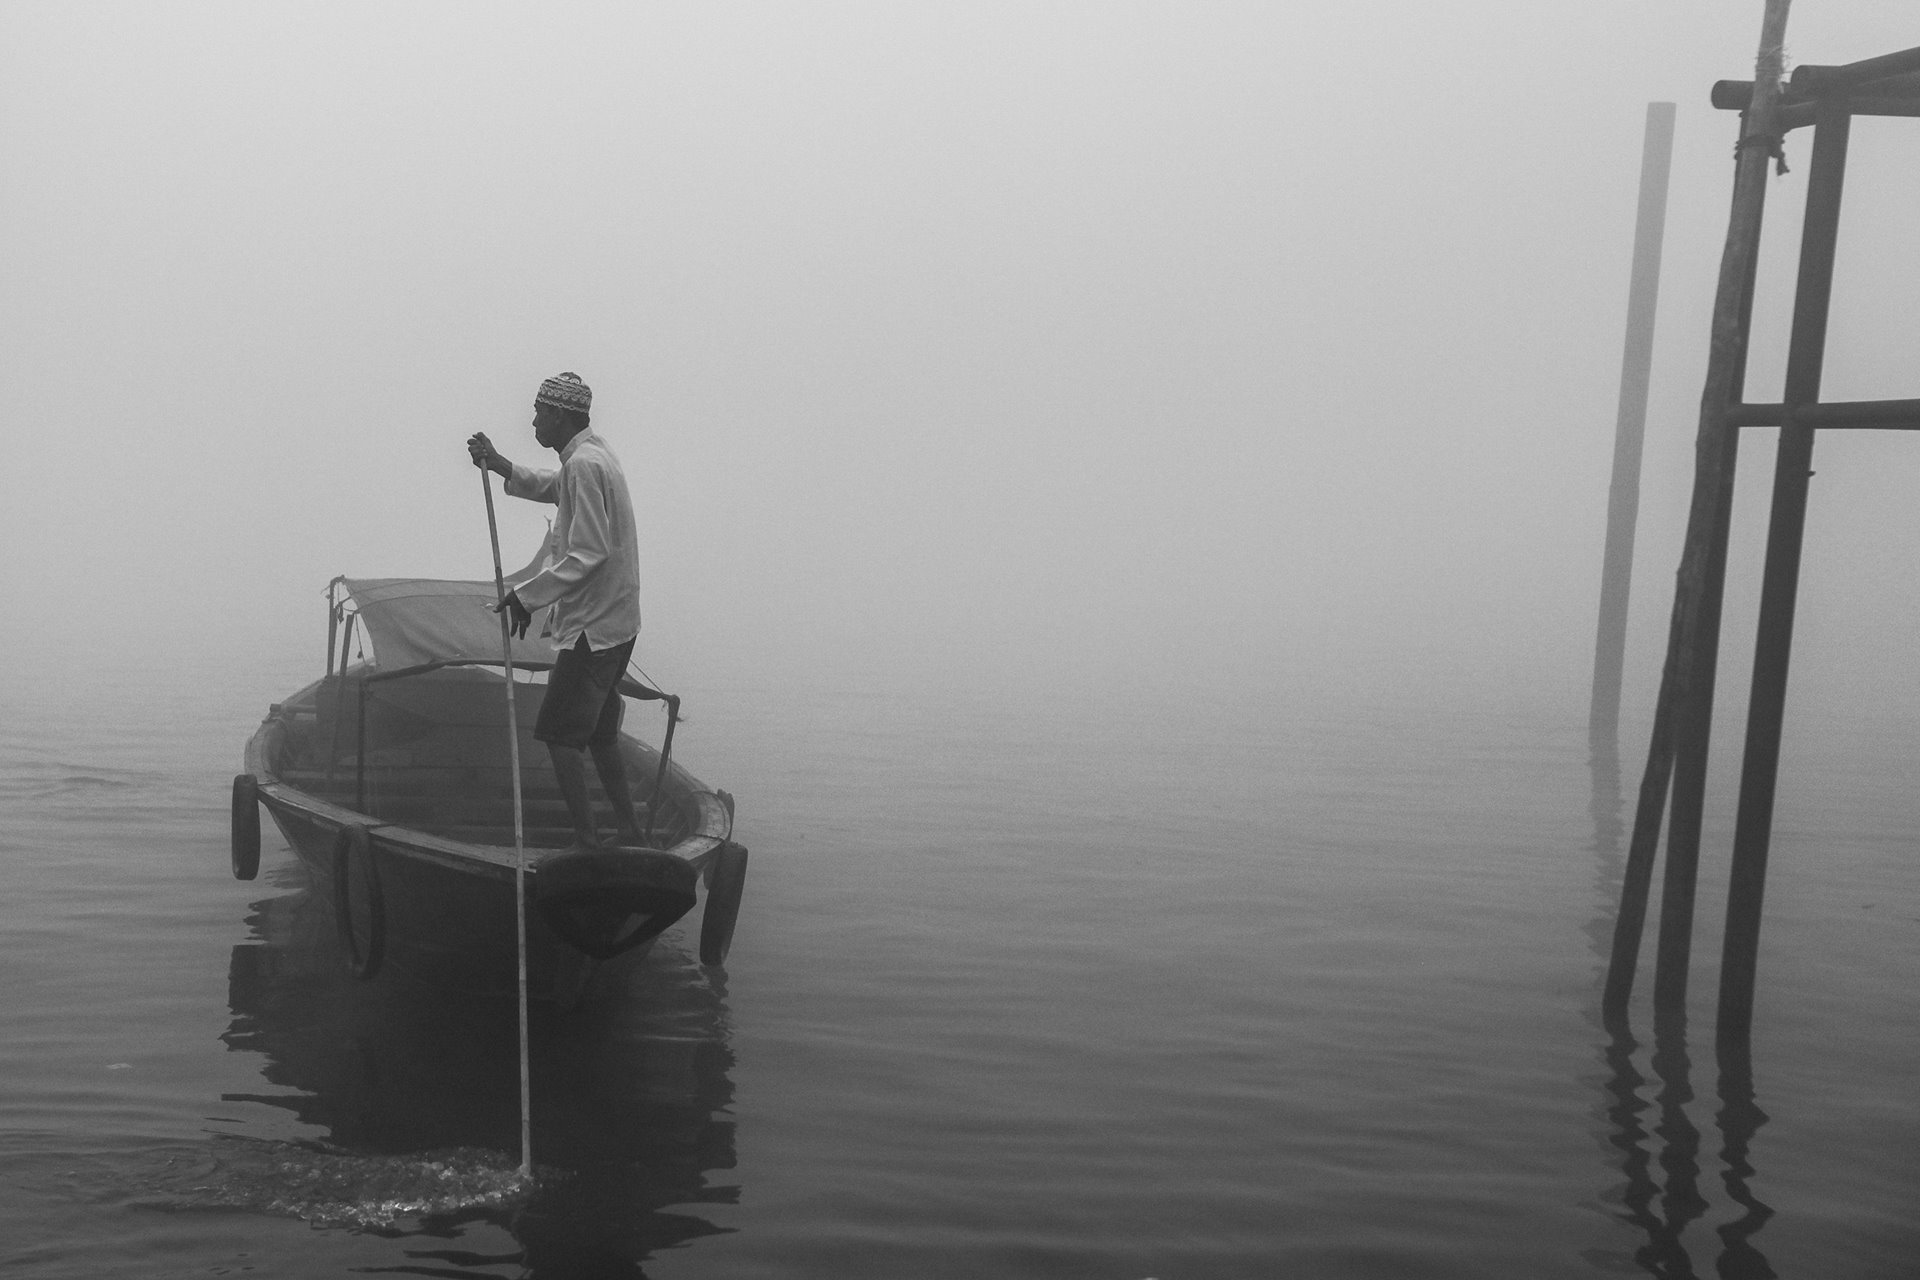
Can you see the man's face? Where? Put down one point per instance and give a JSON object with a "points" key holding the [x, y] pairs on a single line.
{"points": [[549, 428]]}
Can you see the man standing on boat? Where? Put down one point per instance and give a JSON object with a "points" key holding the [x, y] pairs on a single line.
{"points": [[591, 582]]}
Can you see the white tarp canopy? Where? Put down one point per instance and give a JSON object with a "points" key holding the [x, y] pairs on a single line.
{"points": [[437, 622], [434, 622]]}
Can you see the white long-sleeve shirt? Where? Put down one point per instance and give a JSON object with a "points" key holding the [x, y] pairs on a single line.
{"points": [[592, 573]]}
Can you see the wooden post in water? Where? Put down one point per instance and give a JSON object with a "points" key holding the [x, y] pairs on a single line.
{"points": [[1629, 431], [1683, 714], [1781, 577]]}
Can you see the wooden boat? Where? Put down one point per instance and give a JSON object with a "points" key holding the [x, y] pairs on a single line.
{"points": [[391, 779]]}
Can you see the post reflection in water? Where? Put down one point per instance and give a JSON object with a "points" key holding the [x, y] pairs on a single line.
{"points": [[1662, 1206], [1740, 1118], [630, 1092]]}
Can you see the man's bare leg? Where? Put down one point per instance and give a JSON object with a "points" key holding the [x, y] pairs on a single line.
{"points": [[570, 769], [612, 768]]}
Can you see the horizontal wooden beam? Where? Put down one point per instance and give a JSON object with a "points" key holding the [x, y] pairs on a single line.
{"points": [[1854, 75], [1884, 415], [1734, 95], [1899, 97]]}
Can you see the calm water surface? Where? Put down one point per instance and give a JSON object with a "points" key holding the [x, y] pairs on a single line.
{"points": [[1212, 989]]}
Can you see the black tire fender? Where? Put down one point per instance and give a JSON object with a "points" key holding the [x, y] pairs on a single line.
{"points": [[246, 827], [726, 884], [351, 847]]}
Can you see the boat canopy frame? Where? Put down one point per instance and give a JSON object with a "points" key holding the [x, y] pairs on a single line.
{"points": [[444, 639]]}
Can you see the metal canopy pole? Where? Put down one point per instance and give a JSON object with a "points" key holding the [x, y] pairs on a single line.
{"points": [[1780, 583]]}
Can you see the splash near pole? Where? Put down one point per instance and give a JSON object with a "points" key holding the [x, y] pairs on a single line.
{"points": [[519, 827]]}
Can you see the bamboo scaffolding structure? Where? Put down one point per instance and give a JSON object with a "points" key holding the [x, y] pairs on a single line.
{"points": [[1677, 752], [1766, 707]]}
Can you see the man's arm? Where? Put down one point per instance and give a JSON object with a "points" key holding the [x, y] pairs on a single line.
{"points": [[522, 482], [589, 540]]}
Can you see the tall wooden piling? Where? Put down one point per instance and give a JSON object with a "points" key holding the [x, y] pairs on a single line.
{"points": [[1826, 97], [1683, 713], [1753, 825], [1629, 430]]}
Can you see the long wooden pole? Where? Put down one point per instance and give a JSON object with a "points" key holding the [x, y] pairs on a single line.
{"points": [[1684, 711], [1760, 142], [1629, 430], [519, 830], [1766, 708]]}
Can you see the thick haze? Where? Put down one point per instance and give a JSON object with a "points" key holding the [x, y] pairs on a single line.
{"points": [[1230, 346]]}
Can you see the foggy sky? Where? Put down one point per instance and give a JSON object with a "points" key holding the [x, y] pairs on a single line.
{"points": [[1225, 346]]}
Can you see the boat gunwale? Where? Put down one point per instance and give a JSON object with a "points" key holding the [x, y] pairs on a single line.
{"points": [[711, 824]]}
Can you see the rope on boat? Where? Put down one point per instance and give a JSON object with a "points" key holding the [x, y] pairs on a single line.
{"points": [[519, 827], [660, 776], [650, 691]]}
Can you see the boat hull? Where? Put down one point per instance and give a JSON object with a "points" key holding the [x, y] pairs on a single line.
{"points": [[443, 925], [445, 910]]}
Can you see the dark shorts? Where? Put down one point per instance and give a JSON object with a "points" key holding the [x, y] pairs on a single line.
{"points": [[583, 705]]}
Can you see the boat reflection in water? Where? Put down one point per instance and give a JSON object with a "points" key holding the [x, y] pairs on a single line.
{"points": [[630, 1094]]}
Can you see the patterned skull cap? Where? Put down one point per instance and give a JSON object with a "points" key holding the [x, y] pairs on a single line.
{"points": [[565, 391]]}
